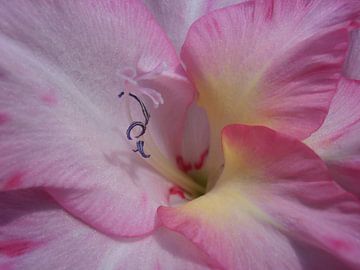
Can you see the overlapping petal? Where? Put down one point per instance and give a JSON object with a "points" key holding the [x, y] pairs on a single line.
{"points": [[337, 140], [195, 144], [36, 234], [62, 124], [175, 16], [273, 198], [274, 63], [352, 64]]}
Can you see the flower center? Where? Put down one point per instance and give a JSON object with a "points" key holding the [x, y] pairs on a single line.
{"points": [[139, 114]]}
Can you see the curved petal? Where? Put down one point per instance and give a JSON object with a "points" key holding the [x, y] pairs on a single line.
{"points": [[352, 65], [273, 200], [337, 140], [195, 145], [175, 16], [36, 234], [63, 126], [273, 63]]}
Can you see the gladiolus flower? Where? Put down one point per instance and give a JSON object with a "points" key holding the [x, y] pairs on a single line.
{"points": [[107, 162]]}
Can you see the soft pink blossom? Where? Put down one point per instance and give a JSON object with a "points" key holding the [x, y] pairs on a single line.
{"points": [[166, 134]]}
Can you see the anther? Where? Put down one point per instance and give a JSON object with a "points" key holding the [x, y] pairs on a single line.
{"points": [[139, 144], [140, 149], [143, 108], [132, 126]]}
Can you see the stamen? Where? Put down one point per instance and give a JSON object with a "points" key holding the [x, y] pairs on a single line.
{"points": [[133, 85], [143, 108], [132, 81], [132, 126], [140, 149], [139, 144], [121, 94], [168, 169], [154, 95]]}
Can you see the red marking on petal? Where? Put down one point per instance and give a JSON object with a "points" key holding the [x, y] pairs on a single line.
{"points": [[340, 245], [13, 182], [354, 25], [182, 165], [4, 118], [49, 99], [198, 165], [175, 190], [269, 12], [15, 248]]}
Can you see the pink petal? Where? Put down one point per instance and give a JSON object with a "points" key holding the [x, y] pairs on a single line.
{"points": [[273, 206], [66, 243], [175, 16], [63, 125], [337, 140], [195, 142], [352, 66], [274, 63]]}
